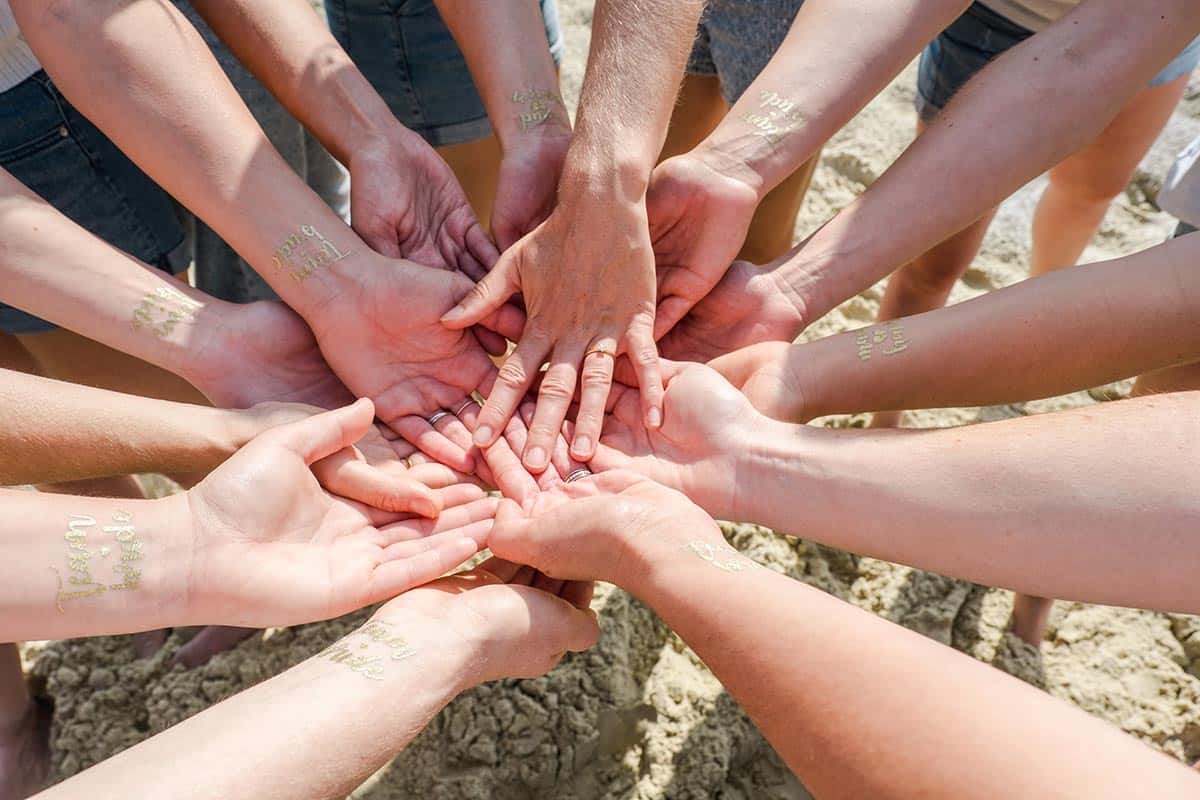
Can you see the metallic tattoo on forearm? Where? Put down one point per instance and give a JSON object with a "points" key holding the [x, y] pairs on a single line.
{"points": [[775, 118], [368, 650], [540, 105], [83, 560], [724, 558], [164, 308], [305, 252], [887, 339]]}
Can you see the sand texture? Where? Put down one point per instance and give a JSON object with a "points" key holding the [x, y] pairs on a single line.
{"points": [[639, 716]]}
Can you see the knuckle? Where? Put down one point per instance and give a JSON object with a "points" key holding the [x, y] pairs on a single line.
{"points": [[556, 388], [513, 373], [595, 375]]}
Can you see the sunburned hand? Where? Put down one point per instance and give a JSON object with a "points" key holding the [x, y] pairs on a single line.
{"points": [[381, 335], [528, 182], [587, 275], [406, 203], [699, 214], [517, 630], [746, 307], [609, 527], [271, 547]]}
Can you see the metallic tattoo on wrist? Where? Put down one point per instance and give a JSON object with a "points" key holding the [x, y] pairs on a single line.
{"points": [[305, 252], [82, 560], [164, 308], [540, 105], [888, 337], [355, 650], [724, 558], [775, 118]]}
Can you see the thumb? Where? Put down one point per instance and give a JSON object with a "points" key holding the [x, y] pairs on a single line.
{"points": [[324, 434], [671, 309], [487, 296]]}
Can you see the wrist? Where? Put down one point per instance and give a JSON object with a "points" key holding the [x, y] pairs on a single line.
{"points": [[734, 160], [442, 651], [534, 116], [601, 169], [173, 582], [769, 455]]}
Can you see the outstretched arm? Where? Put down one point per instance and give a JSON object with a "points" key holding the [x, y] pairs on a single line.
{"points": [[856, 706], [1057, 333], [1027, 111]]}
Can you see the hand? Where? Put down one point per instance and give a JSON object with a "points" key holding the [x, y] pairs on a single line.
{"points": [[766, 374], [613, 527], [406, 203], [707, 428], [587, 274], [699, 215], [381, 335], [746, 307], [492, 611], [528, 182], [271, 547]]}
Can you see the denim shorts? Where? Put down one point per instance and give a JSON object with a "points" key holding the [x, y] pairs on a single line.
{"points": [[977, 37], [51, 148], [409, 55], [736, 39]]}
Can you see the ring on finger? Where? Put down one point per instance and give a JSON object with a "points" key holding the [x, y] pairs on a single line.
{"points": [[440, 414], [469, 401], [602, 350], [578, 474]]}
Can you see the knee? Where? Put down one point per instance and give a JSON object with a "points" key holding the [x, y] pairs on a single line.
{"points": [[1092, 187]]}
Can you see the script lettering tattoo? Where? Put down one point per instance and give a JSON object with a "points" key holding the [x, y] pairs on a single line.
{"points": [[163, 309], [540, 105], [725, 558], [305, 252], [775, 117], [360, 651], [889, 338], [83, 560]]}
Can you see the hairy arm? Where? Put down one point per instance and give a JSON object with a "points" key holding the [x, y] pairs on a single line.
{"points": [[1031, 108]]}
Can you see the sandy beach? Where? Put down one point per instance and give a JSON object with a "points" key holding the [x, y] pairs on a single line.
{"points": [[639, 717]]}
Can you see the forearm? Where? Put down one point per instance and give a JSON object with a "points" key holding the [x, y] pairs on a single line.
{"points": [[1097, 505], [638, 52], [83, 566], [832, 687], [835, 59], [518, 82], [55, 431], [1031, 108], [291, 51], [1059, 333], [142, 73], [316, 731]]}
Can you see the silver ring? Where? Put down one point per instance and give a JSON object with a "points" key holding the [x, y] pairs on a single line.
{"points": [[575, 475], [441, 414], [467, 402]]}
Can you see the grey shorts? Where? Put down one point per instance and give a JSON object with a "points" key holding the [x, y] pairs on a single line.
{"points": [[405, 50], [736, 39]]}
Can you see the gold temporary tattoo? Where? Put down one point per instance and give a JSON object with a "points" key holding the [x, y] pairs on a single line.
{"points": [[305, 252], [725, 558], [164, 308], [355, 650], [775, 118], [540, 105], [888, 337], [83, 560]]}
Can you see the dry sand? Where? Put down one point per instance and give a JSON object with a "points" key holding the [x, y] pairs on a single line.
{"points": [[639, 716]]}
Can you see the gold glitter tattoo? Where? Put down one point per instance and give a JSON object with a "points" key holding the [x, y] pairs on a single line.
{"points": [[83, 560], [775, 118], [539, 104], [368, 650], [725, 558], [886, 339], [305, 252], [164, 308]]}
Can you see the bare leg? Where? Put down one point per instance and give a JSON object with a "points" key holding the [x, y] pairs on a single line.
{"points": [[773, 230], [24, 732], [698, 111], [1083, 185], [1173, 379], [477, 167], [1030, 615]]}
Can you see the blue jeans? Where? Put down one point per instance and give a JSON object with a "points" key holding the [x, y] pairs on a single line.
{"points": [[405, 50], [51, 148]]}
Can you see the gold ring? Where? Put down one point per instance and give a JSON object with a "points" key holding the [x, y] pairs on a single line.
{"points": [[603, 351], [468, 402]]}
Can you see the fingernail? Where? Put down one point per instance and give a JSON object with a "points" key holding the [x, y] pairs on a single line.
{"points": [[536, 457], [654, 417], [483, 436], [453, 314], [582, 445]]}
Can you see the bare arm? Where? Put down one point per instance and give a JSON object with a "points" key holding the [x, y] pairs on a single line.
{"points": [[1035, 105], [1057, 333]]}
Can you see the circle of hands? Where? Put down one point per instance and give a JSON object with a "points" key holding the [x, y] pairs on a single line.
{"points": [[328, 512]]}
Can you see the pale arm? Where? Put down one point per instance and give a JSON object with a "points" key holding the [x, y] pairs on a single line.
{"points": [[1035, 105]]}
